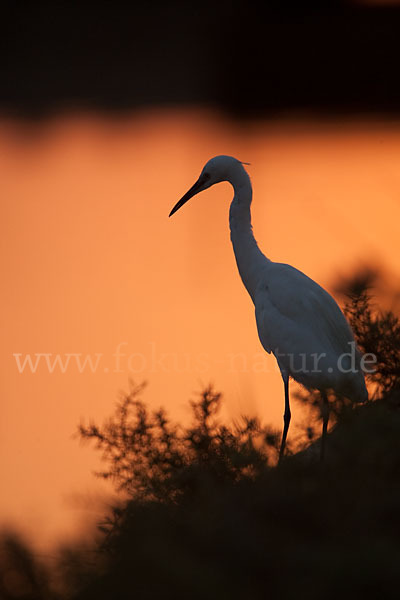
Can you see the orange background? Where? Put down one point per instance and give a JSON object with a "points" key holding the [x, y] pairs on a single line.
{"points": [[90, 260]]}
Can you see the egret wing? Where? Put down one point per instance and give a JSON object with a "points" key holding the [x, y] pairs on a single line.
{"points": [[293, 311]]}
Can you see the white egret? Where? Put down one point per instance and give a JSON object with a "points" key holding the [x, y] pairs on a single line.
{"points": [[297, 320]]}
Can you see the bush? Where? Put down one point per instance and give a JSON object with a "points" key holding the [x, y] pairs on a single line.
{"points": [[206, 514]]}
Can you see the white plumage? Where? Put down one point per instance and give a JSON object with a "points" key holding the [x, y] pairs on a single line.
{"points": [[297, 320]]}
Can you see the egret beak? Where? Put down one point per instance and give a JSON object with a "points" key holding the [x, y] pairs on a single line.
{"points": [[197, 187]]}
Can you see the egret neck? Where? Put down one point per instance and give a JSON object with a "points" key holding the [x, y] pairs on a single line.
{"points": [[249, 258]]}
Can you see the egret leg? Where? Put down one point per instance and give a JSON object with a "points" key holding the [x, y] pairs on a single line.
{"points": [[286, 417], [325, 419]]}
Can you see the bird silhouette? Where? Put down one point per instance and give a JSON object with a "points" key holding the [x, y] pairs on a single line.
{"points": [[297, 320]]}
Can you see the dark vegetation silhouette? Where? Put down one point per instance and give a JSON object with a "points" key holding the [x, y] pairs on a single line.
{"points": [[205, 513]]}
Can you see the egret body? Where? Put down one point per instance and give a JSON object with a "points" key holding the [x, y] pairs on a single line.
{"points": [[297, 320]]}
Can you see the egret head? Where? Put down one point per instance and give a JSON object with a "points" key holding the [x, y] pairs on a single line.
{"points": [[217, 169]]}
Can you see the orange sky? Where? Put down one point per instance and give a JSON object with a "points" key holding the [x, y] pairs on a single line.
{"points": [[91, 261]]}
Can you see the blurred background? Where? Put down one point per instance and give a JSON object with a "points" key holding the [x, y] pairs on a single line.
{"points": [[247, 59], [107, 114]]}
